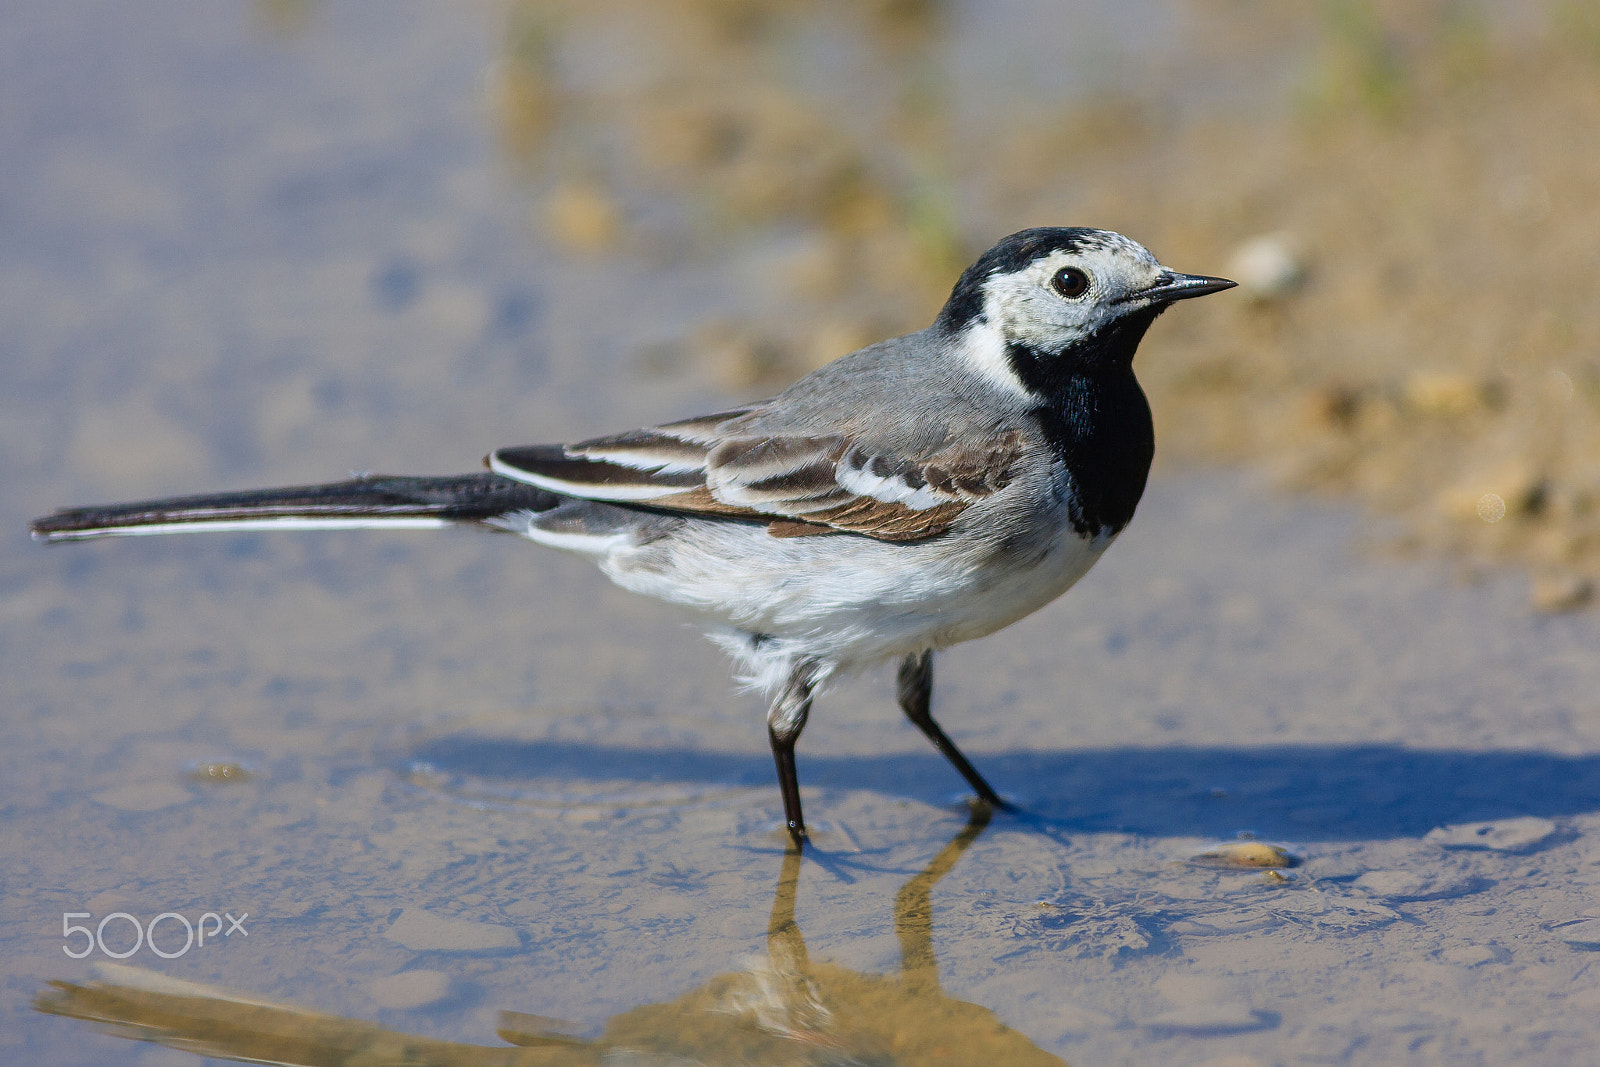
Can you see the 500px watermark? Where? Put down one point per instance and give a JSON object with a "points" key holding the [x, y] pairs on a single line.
{"points": [[194, 934]]}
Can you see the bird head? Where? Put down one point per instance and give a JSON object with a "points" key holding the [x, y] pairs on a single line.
{"points": [[1062, 295]]}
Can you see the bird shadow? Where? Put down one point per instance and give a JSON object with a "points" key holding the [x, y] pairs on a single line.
{"points": [[1304, 792]]}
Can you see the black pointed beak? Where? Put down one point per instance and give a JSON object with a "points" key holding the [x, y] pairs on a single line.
{"points": [[1170, 286]]}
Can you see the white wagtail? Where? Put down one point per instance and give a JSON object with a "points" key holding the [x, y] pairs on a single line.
{"points": [[922, 491]]}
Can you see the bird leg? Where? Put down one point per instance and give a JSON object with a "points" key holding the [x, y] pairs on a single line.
{"points": [[785, 719], [916, 692]]}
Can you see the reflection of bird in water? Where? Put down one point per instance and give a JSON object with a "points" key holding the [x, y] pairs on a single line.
{"points": [[785, 1010]]}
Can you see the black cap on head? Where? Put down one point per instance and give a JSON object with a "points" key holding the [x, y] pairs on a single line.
{"points": [[1009, 254]]}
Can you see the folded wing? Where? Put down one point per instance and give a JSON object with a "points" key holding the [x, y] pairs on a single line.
{"points": [[800, 484]]}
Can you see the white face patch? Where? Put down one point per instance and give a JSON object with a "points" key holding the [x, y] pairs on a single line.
{"points": [[982, 346], [1024, 307]]}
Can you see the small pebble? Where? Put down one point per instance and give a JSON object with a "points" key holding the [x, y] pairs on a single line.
{"points": [[220, 771], [1243, 854]]}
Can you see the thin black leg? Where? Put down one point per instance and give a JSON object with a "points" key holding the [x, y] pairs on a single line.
{"points": [[916, 692], [786, 718]]}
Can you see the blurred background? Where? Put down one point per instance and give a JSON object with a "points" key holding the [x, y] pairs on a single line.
{"points": [[1409, 193]]}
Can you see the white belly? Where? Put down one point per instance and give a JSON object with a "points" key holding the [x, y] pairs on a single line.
{"points": [[851, 600]]}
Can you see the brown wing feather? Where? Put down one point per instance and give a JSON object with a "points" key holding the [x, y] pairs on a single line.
{"points": [[801, 485], [790, 528]]}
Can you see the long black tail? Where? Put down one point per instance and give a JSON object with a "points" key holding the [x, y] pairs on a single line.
{"points": [[369, 500]]}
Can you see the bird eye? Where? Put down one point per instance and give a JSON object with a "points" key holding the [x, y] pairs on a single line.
{"points": [[1070, 282]]}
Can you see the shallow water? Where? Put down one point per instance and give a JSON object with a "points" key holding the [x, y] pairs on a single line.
{"points": [[448, 777]]}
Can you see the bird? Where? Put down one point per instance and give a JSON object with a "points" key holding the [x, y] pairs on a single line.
{"points": [[920, 492]]}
